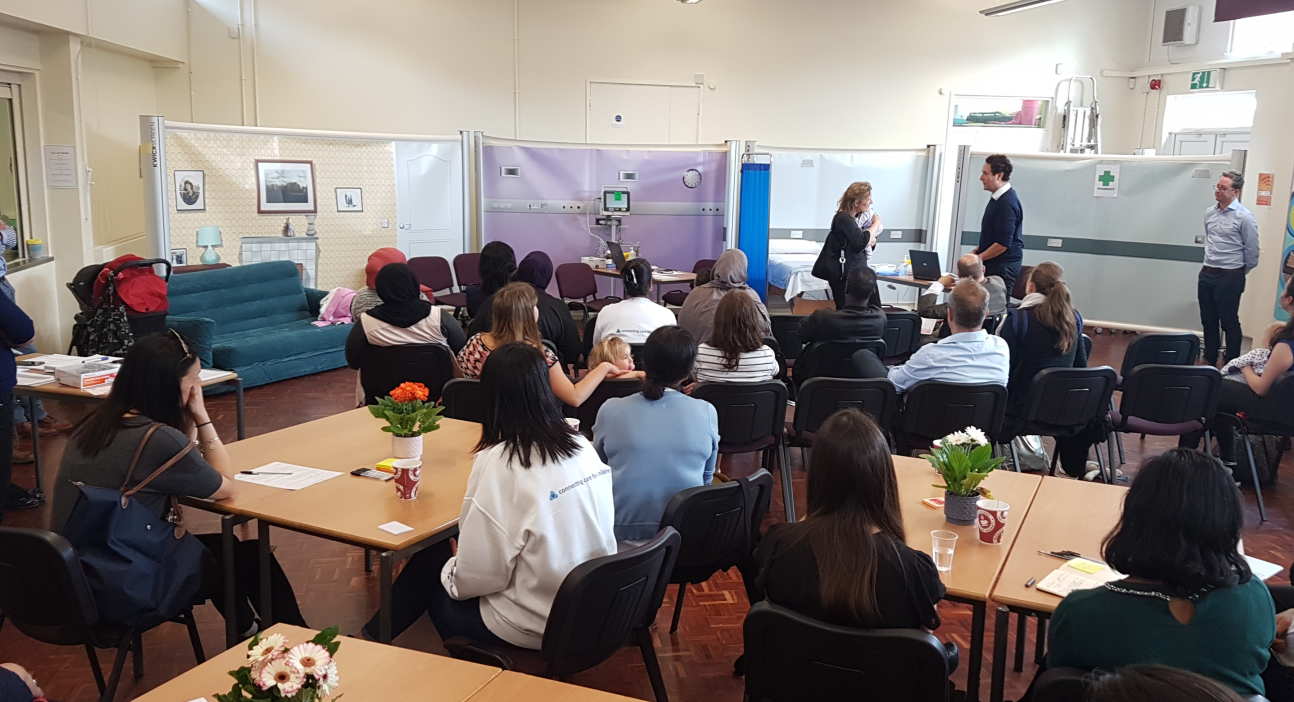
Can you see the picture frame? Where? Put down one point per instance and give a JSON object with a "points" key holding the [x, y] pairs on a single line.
{"points": [[179, 257], [190, 191], [285, 187], [350, 199]]}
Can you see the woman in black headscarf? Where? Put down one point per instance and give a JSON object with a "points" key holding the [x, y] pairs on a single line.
{"points": [[555, 321], [402, 318], [497, 264]]}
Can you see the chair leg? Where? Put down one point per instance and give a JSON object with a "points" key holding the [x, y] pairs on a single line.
{"points": [[118, 664], [1055, 454], [94, 668], [1253, 474], [1015, 456], [1108, 477], [678, 607], [1021, 638], [788, 491], [1208, 442], [653, 665], [368, 561], [137, 654], [192, 625], [1040, 642]]}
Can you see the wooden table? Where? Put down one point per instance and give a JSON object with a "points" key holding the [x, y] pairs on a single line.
{"points": [[658, 278], [1066, 515], [517, 687], [65, 393], [347, 508], [369, 671], [976, 566], [904, 280]]}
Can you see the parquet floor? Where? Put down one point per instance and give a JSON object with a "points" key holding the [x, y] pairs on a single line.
{"points": [[332, 587]]}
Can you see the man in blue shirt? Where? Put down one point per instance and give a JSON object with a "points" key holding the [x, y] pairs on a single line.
{"points": [[1230, 252], [968, 355], [1001, 231]]}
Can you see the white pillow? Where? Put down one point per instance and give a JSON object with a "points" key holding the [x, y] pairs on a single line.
{"points": [[793, 246]]}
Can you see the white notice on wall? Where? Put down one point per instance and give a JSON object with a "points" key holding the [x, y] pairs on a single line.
{"points": [[1107, 181], [60, 166]]}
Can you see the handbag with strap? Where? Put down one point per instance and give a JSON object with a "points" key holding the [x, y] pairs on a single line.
{"points": [[142, 568]]}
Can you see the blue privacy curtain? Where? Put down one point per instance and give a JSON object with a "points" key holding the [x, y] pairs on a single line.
{"points": [[752, 228]]}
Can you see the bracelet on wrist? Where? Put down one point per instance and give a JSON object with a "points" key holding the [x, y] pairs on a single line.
{"points": [[199, 426]]}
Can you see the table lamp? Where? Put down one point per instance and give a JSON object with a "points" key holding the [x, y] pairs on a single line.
{"points": [[210, 238]]}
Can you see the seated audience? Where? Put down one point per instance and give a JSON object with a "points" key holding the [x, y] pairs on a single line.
{"points": [[158, 384], [555, 321], [728, 275], [933, 303], [1189, 599], [736, 352], [402, 318], [637, 316], [538, 504], [497, 264], [514, 314], [861, 317], [368, 297], [968, 355], [847, 563], [613, 350], [647, 471], [1046, 332], [1140, 683]]}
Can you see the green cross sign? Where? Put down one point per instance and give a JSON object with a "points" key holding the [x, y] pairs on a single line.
{"points": [[1106, 179]]}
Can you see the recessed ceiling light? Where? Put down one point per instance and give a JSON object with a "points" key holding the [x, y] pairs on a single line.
{"points": [[1017, 6]]}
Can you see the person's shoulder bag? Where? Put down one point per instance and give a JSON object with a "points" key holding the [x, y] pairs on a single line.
{"points": [[142, 568], [830, 264]]}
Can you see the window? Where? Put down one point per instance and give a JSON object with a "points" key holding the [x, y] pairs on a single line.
{"points": [[985, 111], [1225, 110], [1262, 35], [13, 207]]}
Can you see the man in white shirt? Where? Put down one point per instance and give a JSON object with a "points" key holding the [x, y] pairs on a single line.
{"points": [[933, 303], [968, 355]]}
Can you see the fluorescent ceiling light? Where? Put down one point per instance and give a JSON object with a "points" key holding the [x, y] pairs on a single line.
{"points": [[1017, 6], [689, 2]]}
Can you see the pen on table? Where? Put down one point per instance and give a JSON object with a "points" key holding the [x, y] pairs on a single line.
{"points": [[263, 472], [1030, 582]]}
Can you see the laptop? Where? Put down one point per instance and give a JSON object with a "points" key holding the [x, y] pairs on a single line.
{"points": [[925, 265], [617, 255]]}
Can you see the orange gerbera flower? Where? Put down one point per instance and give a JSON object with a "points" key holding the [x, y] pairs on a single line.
{"points": [[410, 392]]}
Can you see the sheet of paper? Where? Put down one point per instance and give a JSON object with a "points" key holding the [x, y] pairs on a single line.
{"points": [[1077, 574], [100, 390], [396, 528], [58, 360], [32, 379], [210, 373], [296, 478], [928, 326], [1263, 569]]}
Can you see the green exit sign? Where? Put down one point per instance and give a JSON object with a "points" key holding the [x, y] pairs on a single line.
{"points": [[1206, 80]]}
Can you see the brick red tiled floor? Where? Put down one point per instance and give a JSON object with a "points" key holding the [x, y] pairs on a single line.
{"points": [[333, 589]]}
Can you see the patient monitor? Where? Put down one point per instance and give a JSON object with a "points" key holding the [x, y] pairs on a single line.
{"points": [[615, 201]]}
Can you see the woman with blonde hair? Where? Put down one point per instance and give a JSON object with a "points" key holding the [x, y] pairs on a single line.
{"points": [[853, 235], [514, 315]]}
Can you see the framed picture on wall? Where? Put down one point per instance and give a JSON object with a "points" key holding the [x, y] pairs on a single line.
{"points": [[190, 191], [285, 187], [179, 257], [350, 199]]}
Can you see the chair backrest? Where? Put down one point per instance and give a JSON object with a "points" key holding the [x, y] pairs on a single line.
{"points": [[1163, 349], [636, 353], [776, 347], [819, 398], [714, 522], [433, 272], [1087, 346], [703, 265], [464, 399], [1069, 397], [933, 408], [467, 269], [587, 413], [759, 495], [991, 322], [751, 415], [1060, 685], [902, 332], [793, 657], [834, 359], [786, 329], [1019, 290], [604, 601], [575, 281], [43, 590], [388, 366], [1170, 394]]}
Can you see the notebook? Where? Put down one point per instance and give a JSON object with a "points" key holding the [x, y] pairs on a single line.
{"points": [[1077, 574]]}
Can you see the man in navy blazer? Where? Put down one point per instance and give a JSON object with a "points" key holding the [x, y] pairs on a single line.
{"points": [[1001, 238]]}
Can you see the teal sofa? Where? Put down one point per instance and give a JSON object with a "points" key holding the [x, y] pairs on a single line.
{"points": [[255, 320]]}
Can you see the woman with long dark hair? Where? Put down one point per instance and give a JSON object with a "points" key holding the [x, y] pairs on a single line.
{"points": [[158, 383], [846, 562], [736, 352], [1189, 599], [647, 471], [497, 264], [637, 316], [538, 504], [555, 321]]}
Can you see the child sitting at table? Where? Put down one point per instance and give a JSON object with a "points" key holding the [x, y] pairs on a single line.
{"points": [[613, 350]]}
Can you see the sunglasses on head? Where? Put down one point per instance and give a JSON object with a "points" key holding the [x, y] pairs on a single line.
{"points": [[184, 347]]}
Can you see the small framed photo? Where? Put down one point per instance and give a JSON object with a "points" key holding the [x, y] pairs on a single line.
{"points": [[285, 187], [179, 257], [190, 191], [350, 199]]}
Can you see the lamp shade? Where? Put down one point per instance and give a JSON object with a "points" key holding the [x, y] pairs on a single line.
{"points": [[209, 236]]}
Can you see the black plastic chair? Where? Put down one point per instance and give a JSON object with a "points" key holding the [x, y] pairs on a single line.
{"points": [[1275, 421], [902, 333], [1060, 685], [44, 592], [587, 413], [759, 495], [752, 417], [933, 409], [786, 329], [463, 399], [578, 287], [791, 657], [385, 367], [601, 606], [678, 297], [714, 521], [1064, 400], [819, 398], [834, 359], [1160, 349]]}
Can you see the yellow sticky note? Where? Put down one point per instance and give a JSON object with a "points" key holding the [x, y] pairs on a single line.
{"points": [[1085, 566]]}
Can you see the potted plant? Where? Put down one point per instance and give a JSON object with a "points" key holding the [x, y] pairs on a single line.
{"points": [[963, 459], [408, 415], [276, 672]]}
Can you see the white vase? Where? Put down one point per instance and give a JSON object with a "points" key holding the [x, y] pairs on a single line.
{"points": [[406, 446]]}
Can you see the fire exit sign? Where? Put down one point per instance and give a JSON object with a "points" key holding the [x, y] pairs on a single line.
{"points": [[1206, 80]]}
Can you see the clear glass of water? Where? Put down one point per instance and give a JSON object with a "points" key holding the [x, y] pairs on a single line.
{"points": [[942, 545]]}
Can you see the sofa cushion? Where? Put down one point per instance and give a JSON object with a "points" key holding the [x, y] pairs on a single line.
{"points": [[299, 338], [241, 298]]}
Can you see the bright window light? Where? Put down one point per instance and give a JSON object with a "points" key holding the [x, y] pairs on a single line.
{"points": [[1228, 110], [1262, 35]]}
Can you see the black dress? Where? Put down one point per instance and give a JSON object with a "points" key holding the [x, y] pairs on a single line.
{"points": [[846, 241]]}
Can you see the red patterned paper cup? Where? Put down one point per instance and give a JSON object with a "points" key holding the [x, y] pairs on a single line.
{"points": [[991, 518], [408, 475]]}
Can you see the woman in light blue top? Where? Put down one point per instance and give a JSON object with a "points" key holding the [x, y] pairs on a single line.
{"points": [[659, 441]]}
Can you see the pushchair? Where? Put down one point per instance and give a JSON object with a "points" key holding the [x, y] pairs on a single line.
{"points": [[119, 300]]}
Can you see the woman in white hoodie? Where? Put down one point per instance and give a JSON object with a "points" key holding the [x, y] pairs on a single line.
{"points": [[538, 504]]}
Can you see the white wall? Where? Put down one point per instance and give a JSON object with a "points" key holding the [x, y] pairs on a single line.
{"points": [[155, 27], [1215, 37]]}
